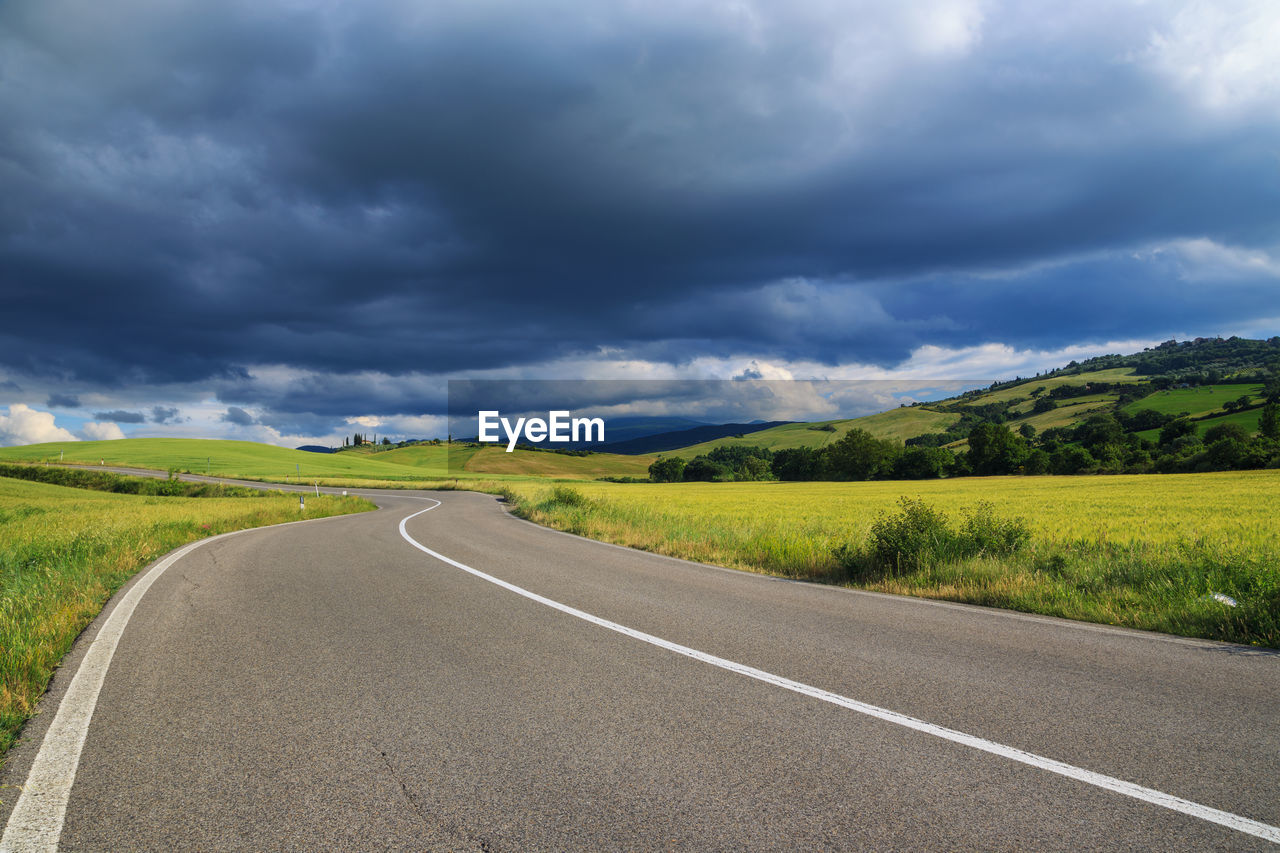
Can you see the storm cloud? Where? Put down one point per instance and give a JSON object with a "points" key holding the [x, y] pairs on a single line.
{"points": [[321, 211]]}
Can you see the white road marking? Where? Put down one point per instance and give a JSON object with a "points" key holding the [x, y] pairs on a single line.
{"points": [[35, 824], [1119, 786]]}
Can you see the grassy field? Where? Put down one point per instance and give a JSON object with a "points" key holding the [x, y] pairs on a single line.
{"points": [[250, 461], [1139, 551], [532, 463], [1247, 419], [1114, 375], [64, 551], [1068, 412], [1194, 401], [220, 458], [901, 423]]}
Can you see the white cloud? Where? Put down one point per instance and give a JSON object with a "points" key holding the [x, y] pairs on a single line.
{"points": [[105, 431], [1222, 54], [1204, 260], [25, 425]]}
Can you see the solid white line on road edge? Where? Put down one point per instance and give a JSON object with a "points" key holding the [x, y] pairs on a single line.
{"points": [[1119, 786], [35, 824]]}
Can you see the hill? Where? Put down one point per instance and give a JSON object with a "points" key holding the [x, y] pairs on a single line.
{"points": [[676, 439], [210, 456], [900, 424]]}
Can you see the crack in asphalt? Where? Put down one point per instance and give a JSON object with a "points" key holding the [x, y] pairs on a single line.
{"points": [[448, 827]]}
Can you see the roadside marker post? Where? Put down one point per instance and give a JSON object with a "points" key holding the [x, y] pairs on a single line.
{"points": [[302, 503]]}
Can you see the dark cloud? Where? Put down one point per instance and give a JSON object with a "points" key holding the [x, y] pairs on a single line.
{"points": [[191, 193], [164, 415], [63, 401], [238, 416], [121, 417]]}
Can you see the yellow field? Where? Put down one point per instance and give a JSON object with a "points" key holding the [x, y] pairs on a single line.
{"points": [[1143, 551], [1235, 506]]}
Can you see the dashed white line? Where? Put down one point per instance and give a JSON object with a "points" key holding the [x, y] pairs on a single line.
{"points": [[1089, 777]]}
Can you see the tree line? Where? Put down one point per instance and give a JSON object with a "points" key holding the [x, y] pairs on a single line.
{"points": [[1103, 443]]}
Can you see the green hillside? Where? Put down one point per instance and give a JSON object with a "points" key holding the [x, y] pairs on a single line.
{"points": [[245, 459], [1195, 401], [1120, 375], [535, 463], [217, 457], [1247, 419], [900, 423]]}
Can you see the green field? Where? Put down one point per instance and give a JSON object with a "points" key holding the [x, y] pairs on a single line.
{"points": [[900, 423], [1142, 551], [489, 461], [1247, 419], [407, 465], [64, 551], [1067, 413], [1114, 375], [220, 458], [1194, 401]]}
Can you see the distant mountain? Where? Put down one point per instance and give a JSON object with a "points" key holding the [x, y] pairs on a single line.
{"points": [[315, 448], [661, 442], [631, 428]]}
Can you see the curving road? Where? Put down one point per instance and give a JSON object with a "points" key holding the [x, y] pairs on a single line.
{"points": [[442, 675]]}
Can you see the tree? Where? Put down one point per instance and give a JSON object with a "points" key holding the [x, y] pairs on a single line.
{"points": [[1269, 423], [923, 463], [993, 449], [753, 468], [1099, 430], [1071, 460], [859, 455], [667, 470], [797, 463], [1038, 462], [1176, 429], [700, 468], [1231, 431]]}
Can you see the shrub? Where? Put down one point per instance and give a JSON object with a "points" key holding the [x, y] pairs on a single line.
{"points": [[918, 537], [914, 537], [984, 533], [567, 496]]}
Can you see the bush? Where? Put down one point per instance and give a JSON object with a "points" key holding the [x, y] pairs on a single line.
{"points": [[916, 536], [567, 496], [919, 537], [984, 533]]}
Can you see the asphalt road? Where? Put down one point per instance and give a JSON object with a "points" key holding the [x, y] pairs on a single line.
{"points": [[331, 686]]}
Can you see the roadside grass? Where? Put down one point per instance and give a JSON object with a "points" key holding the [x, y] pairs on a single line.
{"points": [[65, 551], [1141, 551]]}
